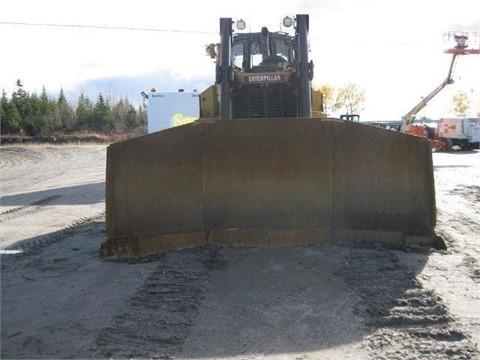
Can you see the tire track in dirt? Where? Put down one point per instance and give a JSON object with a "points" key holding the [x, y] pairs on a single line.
{"points": [[407, 320], [35, 245], [157, 319], [253, 311], [470, 193], [31, 168], [17, 156], [46, 188], [461, 204], [454, 273], [31, 209], [404, 319], [58, 293], [274, 303]]}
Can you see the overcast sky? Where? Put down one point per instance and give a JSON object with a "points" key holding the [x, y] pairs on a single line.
{"points": [[391, 49]]}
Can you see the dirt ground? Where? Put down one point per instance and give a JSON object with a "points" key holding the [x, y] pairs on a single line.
{"points": [[59, 300]]}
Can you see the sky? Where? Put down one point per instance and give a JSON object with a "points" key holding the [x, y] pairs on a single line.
{"points": [[393, 50]]}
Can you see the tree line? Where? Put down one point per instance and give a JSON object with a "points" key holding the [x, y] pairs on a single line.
{"points": [[31, 114]]}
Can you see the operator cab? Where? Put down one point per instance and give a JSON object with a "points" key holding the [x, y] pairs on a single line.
{"points": [[260, 52]]}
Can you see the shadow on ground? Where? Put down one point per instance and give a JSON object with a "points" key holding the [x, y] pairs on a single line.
{"points": [[212, 302], [84, 194], [224, 302]]}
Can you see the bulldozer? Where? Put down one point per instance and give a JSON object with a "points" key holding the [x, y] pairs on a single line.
{"points": [[264, 167]]}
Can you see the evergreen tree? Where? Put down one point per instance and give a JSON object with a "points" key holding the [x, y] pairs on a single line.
{"points": [[131, 118], [102, 115], [123, 116], [36, 116], [3, 103], [142, 118], [32, 114], [65, 112], [44, 102], [49, 120], [10, 116], [20, 98], [84, 113]]}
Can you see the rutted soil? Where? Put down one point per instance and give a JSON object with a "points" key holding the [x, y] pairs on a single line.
{"points": [[59, 300], [48, 188]]}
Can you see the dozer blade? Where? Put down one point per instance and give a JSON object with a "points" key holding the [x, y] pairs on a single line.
{"points": [[268, 183]]}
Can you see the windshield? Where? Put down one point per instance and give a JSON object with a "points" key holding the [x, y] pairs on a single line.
{"points": [[247, 50], [282, 48], [255, 53], [237, 55]]}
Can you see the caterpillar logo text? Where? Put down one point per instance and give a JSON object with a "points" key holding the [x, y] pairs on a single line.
{"points": [[264, 78]]}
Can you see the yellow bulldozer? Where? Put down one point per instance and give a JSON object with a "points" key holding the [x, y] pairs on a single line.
{"points": [[264, 167]]}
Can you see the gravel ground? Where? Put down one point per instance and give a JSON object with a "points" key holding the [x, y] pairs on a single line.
{"points": [[59, 300]]}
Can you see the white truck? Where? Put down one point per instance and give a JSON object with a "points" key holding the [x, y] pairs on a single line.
{"points": [[461, 132], [169, 109]]}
